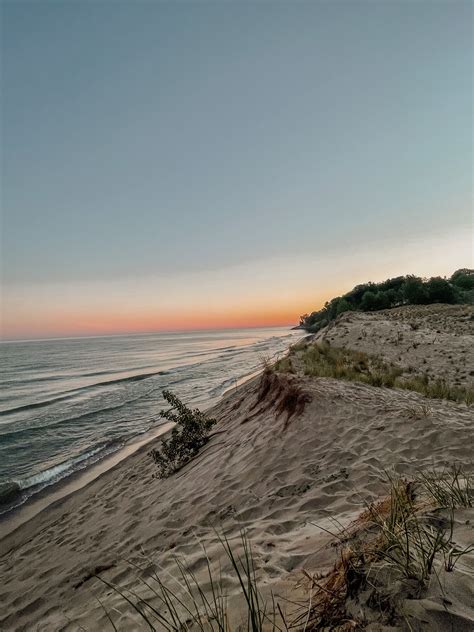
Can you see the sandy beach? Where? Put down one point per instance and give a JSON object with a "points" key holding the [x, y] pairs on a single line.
{"points": [[284, 473]]}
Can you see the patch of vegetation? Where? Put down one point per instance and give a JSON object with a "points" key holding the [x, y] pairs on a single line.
{"points": [[393, 540], [284, 365], [405, 542], [419, 411], [187, 437], [402, 290], [437, 389], [324, 360]]}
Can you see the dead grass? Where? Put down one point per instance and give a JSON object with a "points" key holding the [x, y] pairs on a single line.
{"points": [[283, 393], [420, 411]]}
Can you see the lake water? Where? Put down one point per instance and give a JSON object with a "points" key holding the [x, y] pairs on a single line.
{"points": [[65, 404]]}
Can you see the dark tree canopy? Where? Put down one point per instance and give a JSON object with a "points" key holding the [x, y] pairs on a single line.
{"points": [[402, 290]]}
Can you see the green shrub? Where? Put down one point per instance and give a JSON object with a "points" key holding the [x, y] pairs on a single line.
{"points": [[187, 437]]}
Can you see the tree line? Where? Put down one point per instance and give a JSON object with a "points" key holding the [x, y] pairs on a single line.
{"points": [[402, 290]]}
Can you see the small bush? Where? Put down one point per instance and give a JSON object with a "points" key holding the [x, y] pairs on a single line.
{"points": [[189, 435]]}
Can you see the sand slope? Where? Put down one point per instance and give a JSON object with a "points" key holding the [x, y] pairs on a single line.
{"points": [[275, 476], [435, 340]]}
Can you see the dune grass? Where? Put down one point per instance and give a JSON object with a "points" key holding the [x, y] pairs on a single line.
{"points": [[281, 392], [185, 603], [451, 487], [394, 540], [324, 360]]}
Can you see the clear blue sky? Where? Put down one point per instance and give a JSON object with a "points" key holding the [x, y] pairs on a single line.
{"points": [[158, 149]]}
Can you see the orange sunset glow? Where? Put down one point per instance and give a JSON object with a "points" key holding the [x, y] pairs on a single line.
{"points": [[269, 293]]}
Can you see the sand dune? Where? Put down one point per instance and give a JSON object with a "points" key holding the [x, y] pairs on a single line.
{"points": [[274, 475], [432, 340]]}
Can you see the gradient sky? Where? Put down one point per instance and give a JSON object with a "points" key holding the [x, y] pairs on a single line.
{"points": [[171, 165]]}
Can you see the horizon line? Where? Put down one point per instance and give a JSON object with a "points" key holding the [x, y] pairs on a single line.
{"points": [[142, 333]]}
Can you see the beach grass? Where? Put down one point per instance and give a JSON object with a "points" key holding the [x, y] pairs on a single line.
{"points": [[183, 603], [324, 360], [452, 487], [394, 543]]}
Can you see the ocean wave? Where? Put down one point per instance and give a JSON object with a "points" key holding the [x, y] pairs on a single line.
{"points": [[30, 430], [15, 492], [33, 405], [73, 392], [59, 471]]}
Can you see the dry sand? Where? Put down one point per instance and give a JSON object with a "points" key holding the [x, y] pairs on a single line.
{"points": [[435, 340], [276, 477]]}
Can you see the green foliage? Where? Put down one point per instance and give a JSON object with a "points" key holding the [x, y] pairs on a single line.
{"points": [[403, 290], [414, 291], [463, 278], [440, 291], [187, 437]]}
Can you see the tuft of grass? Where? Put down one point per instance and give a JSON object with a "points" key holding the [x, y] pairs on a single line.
{"points": [[187, 604], [449, 488], [394, 535], [419, 411], [405, 543]]}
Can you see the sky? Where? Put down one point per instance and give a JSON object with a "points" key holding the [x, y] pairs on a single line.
{"points": [[184, 165]]}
